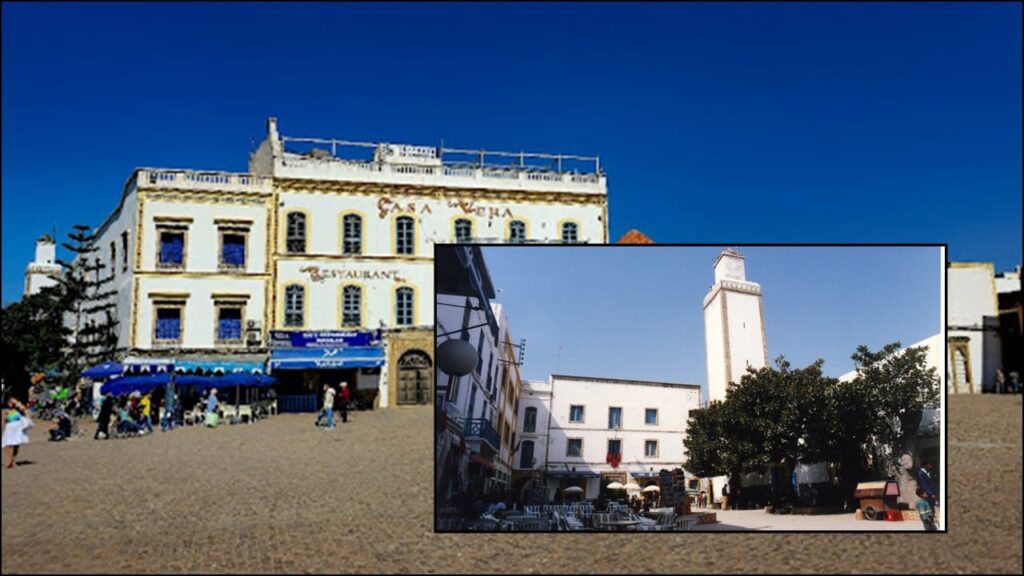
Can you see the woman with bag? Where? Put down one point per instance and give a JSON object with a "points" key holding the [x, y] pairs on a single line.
{"points": [[16, 421]]}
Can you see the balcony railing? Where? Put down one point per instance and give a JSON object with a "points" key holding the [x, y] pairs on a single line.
{"points": [[203, 180], [481, 428]]}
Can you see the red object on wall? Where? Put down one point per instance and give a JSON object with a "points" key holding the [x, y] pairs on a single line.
{"points": [[614, 459]]}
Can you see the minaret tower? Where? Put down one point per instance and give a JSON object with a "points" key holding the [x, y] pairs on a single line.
{"points": [[44, 270], [733, 325]]}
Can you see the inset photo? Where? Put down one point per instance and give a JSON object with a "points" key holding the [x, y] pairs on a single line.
{"points": [[674, 388]]}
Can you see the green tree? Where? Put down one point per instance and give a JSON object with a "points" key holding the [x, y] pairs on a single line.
{"points": [[34, 336], [89, 305], [897, 386]]}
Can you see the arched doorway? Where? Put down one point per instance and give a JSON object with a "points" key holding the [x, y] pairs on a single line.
{"points": [[415, 377]]}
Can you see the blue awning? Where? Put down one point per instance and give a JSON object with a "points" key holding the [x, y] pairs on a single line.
{"points": [[141, 384], [218, 366], [326, 358]]}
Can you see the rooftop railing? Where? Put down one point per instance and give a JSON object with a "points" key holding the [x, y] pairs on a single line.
{"points": [[203, 180], [439, 160]]}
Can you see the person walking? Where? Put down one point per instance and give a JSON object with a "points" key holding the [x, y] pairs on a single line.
{"points": [[725, 496], [344, 398], [926, 484], [146, 405], [329, 405], [925, 510], [15, 422], [103, 420], [211, 409]]}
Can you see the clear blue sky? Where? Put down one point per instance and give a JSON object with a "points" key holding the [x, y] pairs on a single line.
{"points": [[637, 312], [716, 122]]}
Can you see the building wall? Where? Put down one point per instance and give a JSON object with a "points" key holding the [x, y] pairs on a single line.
{"points": [[973, 313], [123, 220], [672, 401], [324, 279], [746, 337], [714, 339], [199, 318], [536, 394]]}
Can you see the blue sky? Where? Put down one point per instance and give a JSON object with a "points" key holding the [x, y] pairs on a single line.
{"points": [[731, 122], [637, 312]]}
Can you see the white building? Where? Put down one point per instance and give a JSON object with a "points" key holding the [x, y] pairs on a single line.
{"points": [[320, 245], [593, 419], [475, 447], [44, 270], [973, 327], [534, 418]]}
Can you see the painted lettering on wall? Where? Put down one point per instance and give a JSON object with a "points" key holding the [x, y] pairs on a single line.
{"points": [[319, 275], [489, 212], [386, 206]]}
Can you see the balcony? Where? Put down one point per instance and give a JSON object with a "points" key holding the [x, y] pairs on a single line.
{"points": [[479, 428], [203, 180]]}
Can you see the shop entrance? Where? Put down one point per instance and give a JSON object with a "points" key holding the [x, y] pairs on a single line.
{"points": [[303, 390], [415, 378]]}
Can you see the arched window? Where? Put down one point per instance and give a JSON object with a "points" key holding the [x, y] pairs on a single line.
{"points": [[405, 235], [463, 230], [404, 302], [295, 233], [351, 306], [530, 420], [526, 454], [295, 306], [570, 232], [516, 232], [352, 234]]}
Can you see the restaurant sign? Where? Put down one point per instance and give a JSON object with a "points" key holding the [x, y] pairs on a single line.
{"points": [[324, 338]]}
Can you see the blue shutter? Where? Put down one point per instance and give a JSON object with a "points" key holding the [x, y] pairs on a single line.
{"points": [[234, 250], [172, 247]]}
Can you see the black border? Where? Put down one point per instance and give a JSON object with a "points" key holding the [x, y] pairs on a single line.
{"points": [[945, 388]]}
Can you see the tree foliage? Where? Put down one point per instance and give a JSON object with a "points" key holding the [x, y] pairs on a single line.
{"points": [[780, 416]]}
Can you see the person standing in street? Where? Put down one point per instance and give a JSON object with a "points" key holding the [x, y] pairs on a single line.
{"points": [[15, 422], [925, 510], [329, 405], [344, 398], [211, 409], [103, 420]]}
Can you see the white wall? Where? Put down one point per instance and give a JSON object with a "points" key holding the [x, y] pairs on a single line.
{"points": [[434, 219], [974, 313], [673, 403], [746, 342], [535, 394], [714, 343], [200, 319]]}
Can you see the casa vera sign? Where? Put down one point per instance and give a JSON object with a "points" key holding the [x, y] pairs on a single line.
{"points": [[320, 275], [386, 205]]}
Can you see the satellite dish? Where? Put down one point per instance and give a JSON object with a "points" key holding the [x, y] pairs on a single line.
{"points": [[456, 357]]}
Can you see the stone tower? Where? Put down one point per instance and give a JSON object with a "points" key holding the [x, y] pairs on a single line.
{"points": [[44, 269], [733, 325]]}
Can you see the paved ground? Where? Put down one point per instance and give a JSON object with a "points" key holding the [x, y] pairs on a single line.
{"points": [[731, 520], [282, 496]]}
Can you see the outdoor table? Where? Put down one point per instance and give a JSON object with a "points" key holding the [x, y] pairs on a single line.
{"points": [[622, 524]]}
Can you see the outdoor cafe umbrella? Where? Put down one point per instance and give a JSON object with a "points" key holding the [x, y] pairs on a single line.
{"points": [[103, 370], [632, 486], [615, 486], [573, 490], [652, 488]]}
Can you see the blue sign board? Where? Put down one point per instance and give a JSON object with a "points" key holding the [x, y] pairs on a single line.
{"points": [[324, 338]]}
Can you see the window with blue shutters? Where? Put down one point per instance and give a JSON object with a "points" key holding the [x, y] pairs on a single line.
{"points": [[232, 251], [172, 249], [229, 323], [168, 324]]}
